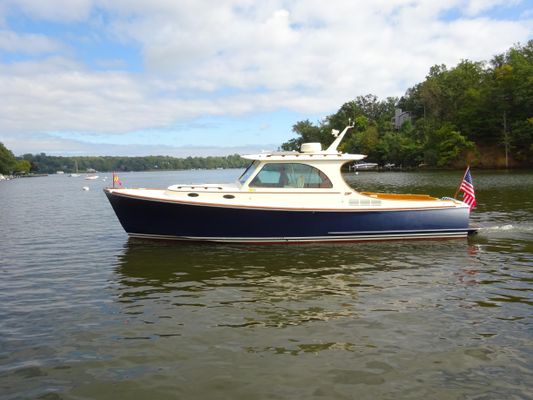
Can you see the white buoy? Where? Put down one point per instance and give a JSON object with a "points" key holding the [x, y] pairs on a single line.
{"points": [[85, 188]]}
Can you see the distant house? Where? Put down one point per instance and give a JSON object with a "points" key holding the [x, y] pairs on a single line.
{"points": [[400, 117]]}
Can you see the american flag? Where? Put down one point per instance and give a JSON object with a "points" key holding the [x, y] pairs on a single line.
{"points": [[467, 187], [116, 180]]}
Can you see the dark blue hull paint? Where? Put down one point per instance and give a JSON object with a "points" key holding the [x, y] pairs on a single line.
{"points": [[173, 220]]}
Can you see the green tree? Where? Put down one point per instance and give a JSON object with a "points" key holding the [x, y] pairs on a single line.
{"points": [[511, 99], [307, 133], [22, 166], [7, 160], [445, 146]]}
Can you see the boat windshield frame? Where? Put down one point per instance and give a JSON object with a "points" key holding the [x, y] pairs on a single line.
{"points": [[248, 172]]}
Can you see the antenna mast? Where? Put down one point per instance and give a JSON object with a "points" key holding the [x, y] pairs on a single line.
{"points": [[333, 147]]}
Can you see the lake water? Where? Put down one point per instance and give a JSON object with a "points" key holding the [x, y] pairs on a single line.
{"points": [[86, 313]]}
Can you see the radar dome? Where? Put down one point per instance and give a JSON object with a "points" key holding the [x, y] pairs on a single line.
{"points": [[311, 148]]}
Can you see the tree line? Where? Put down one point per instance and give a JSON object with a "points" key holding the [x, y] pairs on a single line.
{"points": [[42, 163], [479, 113]]}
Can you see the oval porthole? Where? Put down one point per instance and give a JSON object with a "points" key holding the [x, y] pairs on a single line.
{"points": [[193, 194], [228, 196]]}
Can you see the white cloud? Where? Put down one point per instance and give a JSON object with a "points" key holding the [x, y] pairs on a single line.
{"points": [[28, 43], [475, 7], [57, 95], [347, 49], [53, 10], [235, 57]]}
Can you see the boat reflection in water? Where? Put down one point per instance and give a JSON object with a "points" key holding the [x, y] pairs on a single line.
{"points": [[258, 285], [235, 286], [287, 197]]}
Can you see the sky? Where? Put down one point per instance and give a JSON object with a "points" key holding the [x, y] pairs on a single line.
{"points": [[217, 77]]}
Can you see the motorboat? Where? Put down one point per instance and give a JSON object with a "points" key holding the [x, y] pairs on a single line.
{"points": [[363, 166], [91, 177], [287, 197]]}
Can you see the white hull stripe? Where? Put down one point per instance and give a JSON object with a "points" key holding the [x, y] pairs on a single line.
{"points": [[403, 232], [379, 236]]}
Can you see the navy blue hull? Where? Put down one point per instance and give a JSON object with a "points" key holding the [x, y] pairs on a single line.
{"points": [[148, 218]]}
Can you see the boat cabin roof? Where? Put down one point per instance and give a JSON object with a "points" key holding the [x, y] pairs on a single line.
{"points": [[296, 156], [312, 152]]}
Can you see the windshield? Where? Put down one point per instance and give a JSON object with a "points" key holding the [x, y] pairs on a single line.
{"points": [[291, 175], [248, 172]]}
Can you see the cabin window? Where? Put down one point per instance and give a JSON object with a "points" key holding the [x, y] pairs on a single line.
{"points": [[291, 175], [248, 172]]}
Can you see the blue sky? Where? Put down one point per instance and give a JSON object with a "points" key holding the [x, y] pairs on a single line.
{"points": [[193, 77]]}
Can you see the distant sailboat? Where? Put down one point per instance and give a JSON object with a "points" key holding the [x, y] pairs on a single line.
{"points": [[76, 169]]}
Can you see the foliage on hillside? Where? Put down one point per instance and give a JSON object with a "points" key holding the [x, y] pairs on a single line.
{"points": [[458, 114], [11, 165]]}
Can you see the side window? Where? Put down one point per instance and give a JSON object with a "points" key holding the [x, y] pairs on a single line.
{"points": [[290, 175], [248, 172]]}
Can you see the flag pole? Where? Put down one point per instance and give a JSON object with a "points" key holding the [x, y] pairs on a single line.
{"points": [[460, 183]]}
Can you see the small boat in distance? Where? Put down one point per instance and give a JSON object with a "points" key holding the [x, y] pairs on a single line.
{"points": [[363, 166], [287, 197], [91, 177]]}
